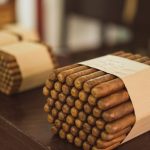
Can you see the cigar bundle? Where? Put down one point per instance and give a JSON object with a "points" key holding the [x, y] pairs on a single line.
{"points": [[88, 107], [24, 65]]}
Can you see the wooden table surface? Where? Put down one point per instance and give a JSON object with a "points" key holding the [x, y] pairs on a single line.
{"points": [[23, 125]]}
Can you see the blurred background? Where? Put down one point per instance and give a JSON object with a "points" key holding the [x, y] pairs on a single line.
{"points": [[84, 29]]}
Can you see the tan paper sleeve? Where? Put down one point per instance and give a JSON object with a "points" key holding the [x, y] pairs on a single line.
{"points": [[136, 77], [34, 62]]}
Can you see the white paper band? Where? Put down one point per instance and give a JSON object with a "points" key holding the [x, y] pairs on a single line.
{"points": [[34, 62], [136, 77]]}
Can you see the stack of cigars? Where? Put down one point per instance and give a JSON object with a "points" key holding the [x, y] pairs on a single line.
{"points": [[88, 107], [11, 76]]}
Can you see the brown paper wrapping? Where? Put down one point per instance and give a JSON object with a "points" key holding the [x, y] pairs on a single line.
{"points": [[136, 77]]}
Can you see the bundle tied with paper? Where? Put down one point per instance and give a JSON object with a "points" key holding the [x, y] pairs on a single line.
{"points": [[24, 65], [97, 106]]}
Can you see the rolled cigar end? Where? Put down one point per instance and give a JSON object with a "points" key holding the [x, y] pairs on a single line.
{"points": [[78, 142], [46, 91], [65, 109], [50, 119], [54, 112], [83, 96], [61, 116], [74, 112], [52, 76], [61, 97], [61, 77], [54, 130], [58, 105], [69, 81], [70, 138], [65, 127], [78, 123], [70, 120], [74, 92], [62, 134], [82, 135], [50, 102], [86, 146], [65, 89], [57, 86], [58, 123], [49, 84], [95, 132], [46, 108], [91, 139], [78, 104], [97, 112], [92, 100], [54, 94], [100, 124]]}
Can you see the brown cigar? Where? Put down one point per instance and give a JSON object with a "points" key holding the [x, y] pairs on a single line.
{"points": [[62, 97], [58, 105], [118, 53], [62, 75], [88, 85], [143, 59], [120, 124], [113, 100], [78, 123], [65, 127], [86, 146], [61, 116], [96, 112], [107, 88], [79, 81], [46, 91], [65, 109], [53, 74], [100, 124], [54, 129], [50, 102], [82, 116], [78, 142], [46, 108], [70, 79], [106, 144], [118, 112], [62, 134], [49, 84], [86, 128], [66, 89], [70, 120], [92, 100], [75, 92], [91, 139], [58, 123], [95, 132], [83, 96], [50, 118], [78, 104], [107, 137], [87, 108], [54, 94], [58, 86], [54, 112], [74, 130], [91, 120], [70, 138], [82, 135], [74, 112], [70, 101]]}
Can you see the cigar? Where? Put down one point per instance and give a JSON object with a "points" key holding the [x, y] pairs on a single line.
{"points": [[65, 89], [91, 120], [100, 124], [46, 108], [70, 79], [65, 127], [54, 94], [49, 84], [65, 109], [70, 101], [70, 138], [113, 100], [88, 85], [78, 123], [91, 139], [54, 130], [86, 128], [74, 112], [58, 105], [54, 112], [107, 88], [62, 97], [87, 108], [63, 74], [79, 81], [106, 144], [78, 142], [70, 120], [83, 95], [62, 134], [118, 112], [82, 116], [58, 86], [75, 92], [82, 135], [118, 53], [46, 91], [96, 112], [78, 104], [50, 102], [74, 130], [58, 123], [95, 132], [120, 124], [86, 146], [107, 137], [53, 74], [61, 116], [50, 119], [92, 100]]}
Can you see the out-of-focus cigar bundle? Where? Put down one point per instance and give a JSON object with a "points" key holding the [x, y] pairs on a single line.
{"points": [[24, 65], [89, 107], [11, 33]]}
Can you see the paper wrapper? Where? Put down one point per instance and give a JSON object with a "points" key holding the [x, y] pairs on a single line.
{"points": [[136, 77], [34, 60]]}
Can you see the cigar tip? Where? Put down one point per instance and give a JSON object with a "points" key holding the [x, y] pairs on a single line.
{"points": [[46, 91]]}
